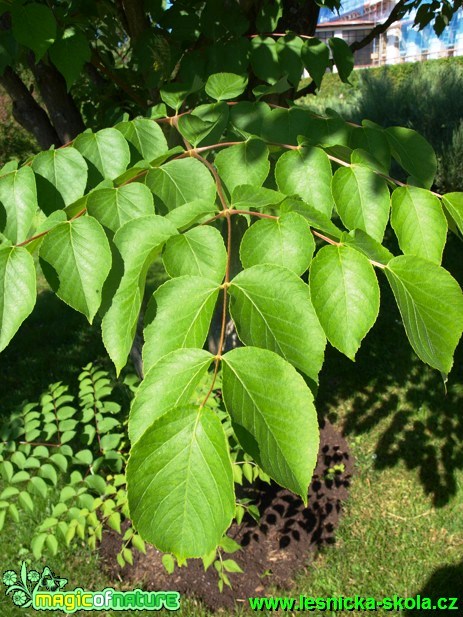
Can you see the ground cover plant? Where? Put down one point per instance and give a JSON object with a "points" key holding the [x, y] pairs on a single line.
{"points": [[69, 456]]}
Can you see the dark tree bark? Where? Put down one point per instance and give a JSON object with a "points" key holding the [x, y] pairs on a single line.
{"points": [[60, 105], [301, 18], [27, 112], [135, 17]]}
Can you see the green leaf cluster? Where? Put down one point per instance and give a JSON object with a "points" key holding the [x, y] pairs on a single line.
{"points": [[63, 457], [272, 223]]}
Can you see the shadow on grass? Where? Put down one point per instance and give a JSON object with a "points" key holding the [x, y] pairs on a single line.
{"points": [[53, 344], [400, 402], [445, 582]]}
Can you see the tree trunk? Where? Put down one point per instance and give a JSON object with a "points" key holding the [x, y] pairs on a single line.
{"points": [[27, 112], [61, 107], [136, 19], [301, 18]]}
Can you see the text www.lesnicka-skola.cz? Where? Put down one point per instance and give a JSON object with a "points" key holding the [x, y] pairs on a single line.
{"points": [[353, 603]]}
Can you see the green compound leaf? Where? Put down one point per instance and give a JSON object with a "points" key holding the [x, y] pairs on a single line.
{"points": [[34, 26], [69, 54], [52, 544], [106, 152], [17, 290], [282, 85], [246, 196], [139, 242], [37, 543], [205, 125], [198, 252], [289, 49], [365, 244], [173, 328], [271, 308], [171, 382], [224, 86], [453, 203], [113, 207], [48, 472], [179, 182], [245, 163], [61, 177], [25, 501], [264, 59], [374, 141], [287, 242], [362, 200], [284, 126], [419, 223], [198, 130], [316, 58], [306, 172], [18, 201], [431, 304], [180, 482], [38, 486], [330, 133], [413, 153], [145, 137], [269, 16], [169, 563], [365, 159], [248, 118], [76, 260], [342, 57], [315, 218], [273, 415], [345, 294], [188, 214]]}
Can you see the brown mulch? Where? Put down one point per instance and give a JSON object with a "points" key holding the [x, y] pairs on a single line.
{"points": [[273, 551]]}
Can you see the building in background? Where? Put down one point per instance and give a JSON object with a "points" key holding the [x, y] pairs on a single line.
{"points": [[400, 43]]}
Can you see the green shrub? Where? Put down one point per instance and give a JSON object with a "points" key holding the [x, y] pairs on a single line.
{"points": [[450, 162], [68, 455], [424, 96]]}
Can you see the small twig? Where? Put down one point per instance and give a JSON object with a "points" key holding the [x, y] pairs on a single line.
{"points": [[325, 238], [24, 242], [395, 15], [409, 518], [97, 63], [301, 36], [231, 211], [34, 443], [192, 151], [218, 182]]}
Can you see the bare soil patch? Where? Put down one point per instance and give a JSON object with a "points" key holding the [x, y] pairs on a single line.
{"points": [[273, 551]]}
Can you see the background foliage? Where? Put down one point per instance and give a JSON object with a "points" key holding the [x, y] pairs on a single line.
{"points": [[423, 96]]}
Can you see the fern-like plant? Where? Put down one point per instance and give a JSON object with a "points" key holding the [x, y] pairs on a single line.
{"points": [[69, 454]]}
